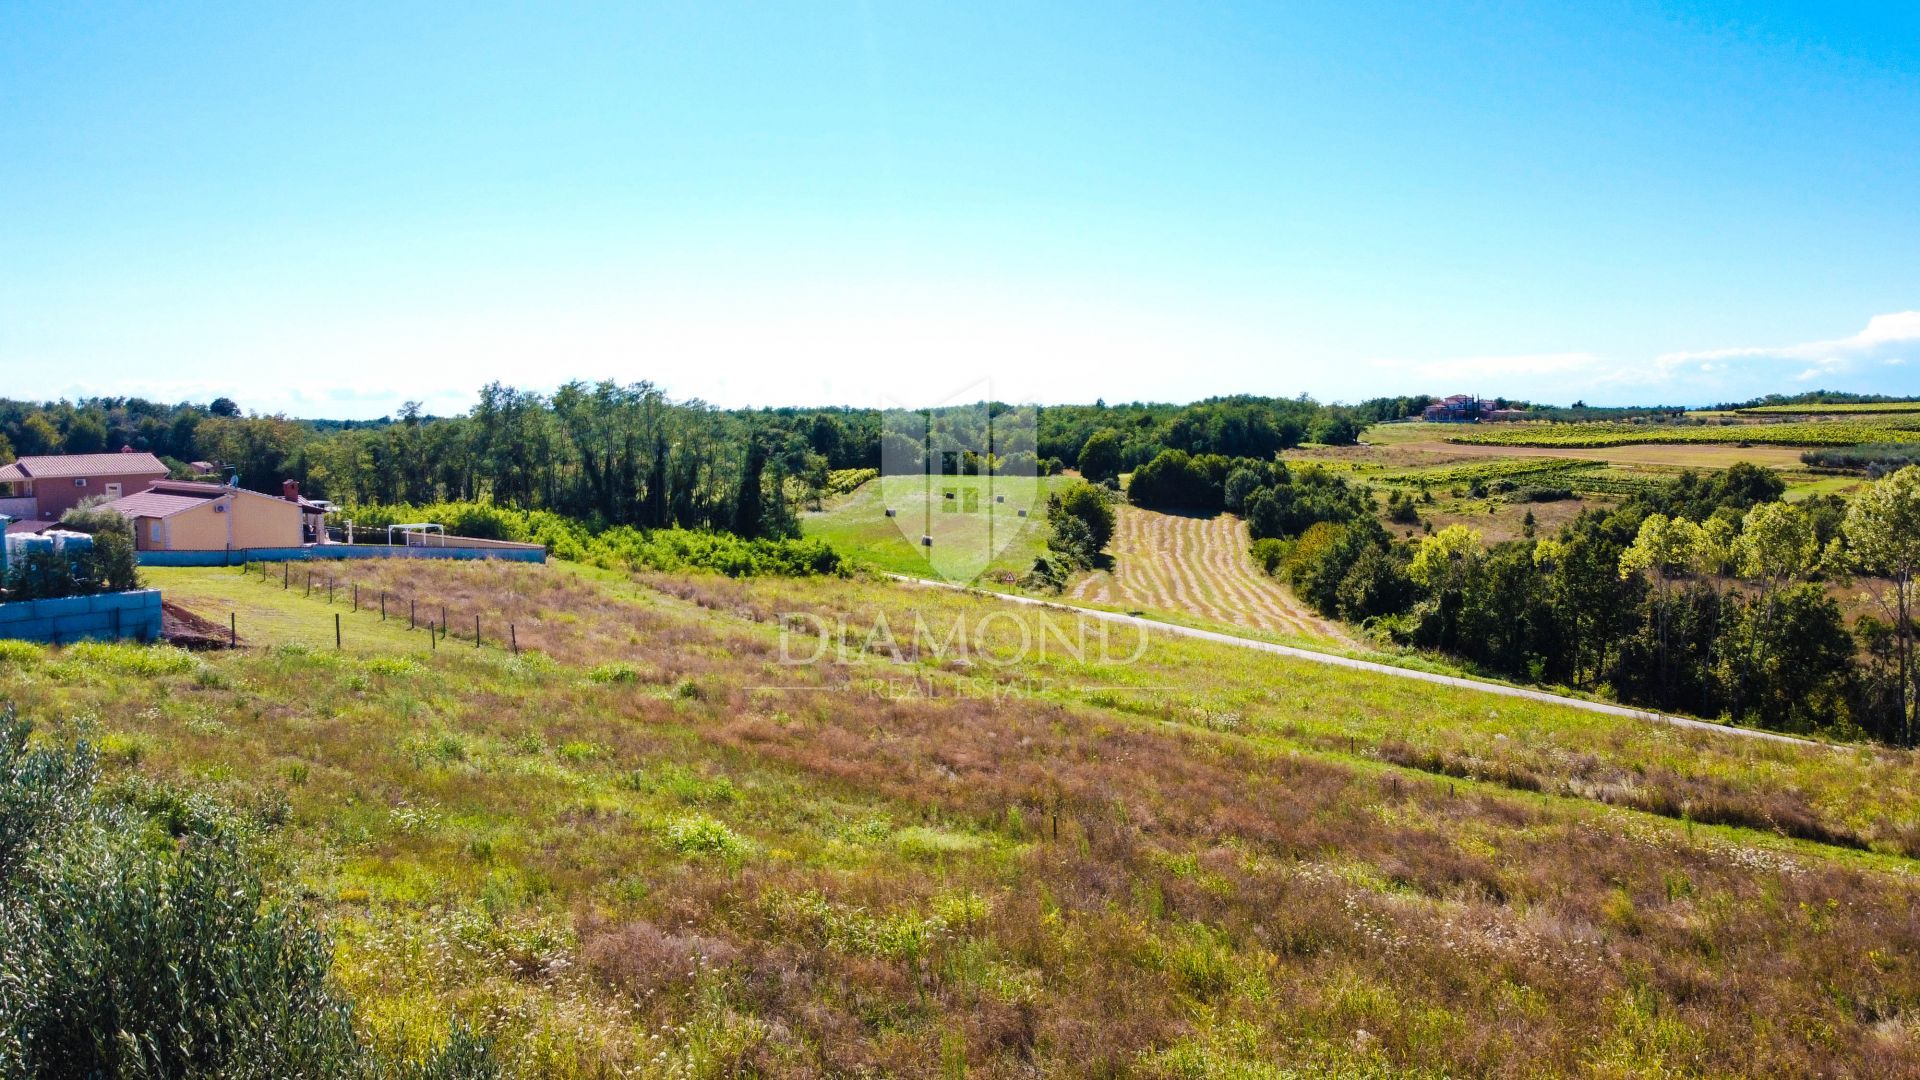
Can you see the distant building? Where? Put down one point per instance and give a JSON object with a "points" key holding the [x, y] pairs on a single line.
{"points": [[43, 487], [1468, 409], [1456, 409]]}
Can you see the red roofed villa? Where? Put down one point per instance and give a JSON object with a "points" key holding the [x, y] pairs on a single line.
{"points": [[46, 486]]}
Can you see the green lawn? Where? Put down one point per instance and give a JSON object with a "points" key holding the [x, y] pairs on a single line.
{"points": [[977, 532], [266, 612]]}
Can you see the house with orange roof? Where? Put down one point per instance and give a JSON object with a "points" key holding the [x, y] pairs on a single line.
{"points": [[43, 487]]}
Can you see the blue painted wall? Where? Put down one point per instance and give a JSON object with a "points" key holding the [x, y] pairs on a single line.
{"points": [[106, 617], [333, 551]]}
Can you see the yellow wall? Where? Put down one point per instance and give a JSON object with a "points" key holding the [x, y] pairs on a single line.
{"points": [[265, 522], [198, 529]]}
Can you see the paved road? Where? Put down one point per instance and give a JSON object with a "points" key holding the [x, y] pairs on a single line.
{"points": [[1381, 669]]}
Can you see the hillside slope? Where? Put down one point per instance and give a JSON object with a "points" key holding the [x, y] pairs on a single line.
{"points": [[658, 845]]}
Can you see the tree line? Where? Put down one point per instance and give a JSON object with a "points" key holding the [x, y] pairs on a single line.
{"points": [[626, 454], [1704, 595]]}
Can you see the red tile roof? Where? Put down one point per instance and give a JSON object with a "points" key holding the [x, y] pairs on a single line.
{"points": [[153, 504], [65, 466]]}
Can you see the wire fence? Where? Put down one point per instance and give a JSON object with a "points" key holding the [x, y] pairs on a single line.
{"points": [[387, 605]]}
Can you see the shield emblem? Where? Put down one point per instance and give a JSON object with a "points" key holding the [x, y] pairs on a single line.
{"points": [[960, 480]]}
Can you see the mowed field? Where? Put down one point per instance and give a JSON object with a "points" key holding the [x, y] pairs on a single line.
{"points": [[979, 532], [1196, 566], [654, 845]]}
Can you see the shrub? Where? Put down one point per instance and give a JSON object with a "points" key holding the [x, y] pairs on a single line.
{"points": [[126, 957], [698, 834], [1081, 519], [842, 481], [621, 546], [615, 671]]}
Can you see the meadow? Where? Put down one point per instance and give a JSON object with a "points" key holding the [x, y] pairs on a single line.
{"points": [[645, 845], [1791, 433], [978, 533], [1849, 408]]}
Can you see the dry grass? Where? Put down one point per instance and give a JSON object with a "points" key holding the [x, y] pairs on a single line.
{"points": [[1197, 566], [1053, 882]]}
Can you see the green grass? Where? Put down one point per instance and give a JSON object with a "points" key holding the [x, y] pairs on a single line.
{"points": [[264, 611], [1200, 861], [1809, 433], [1852, 407], [964, 534]]}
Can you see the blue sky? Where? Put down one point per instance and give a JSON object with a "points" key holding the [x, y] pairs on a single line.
{"points": [[330, 211]]}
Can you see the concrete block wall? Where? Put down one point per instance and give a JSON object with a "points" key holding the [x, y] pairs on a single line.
{"points": [[105, 617]]}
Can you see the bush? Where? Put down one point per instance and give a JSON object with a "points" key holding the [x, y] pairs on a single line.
{"points": [[128, 954], [622, 546], [1081, 517], [842, 481], [107, 565]]}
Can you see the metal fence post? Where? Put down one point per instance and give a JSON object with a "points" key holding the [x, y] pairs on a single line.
{"points": [[233, 630], [513, 638], [336, 629], [476, 631]]}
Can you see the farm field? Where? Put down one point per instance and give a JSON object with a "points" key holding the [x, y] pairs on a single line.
{"points": [[1197, 566], [1847, 408], [965, 529], [1435, 439], [1789, 433], [648, 846], [1419, 457]]}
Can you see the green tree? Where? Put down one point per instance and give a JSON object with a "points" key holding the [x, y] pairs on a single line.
{"points": [[1100, 456], [1082, 519], [1882, 531]]}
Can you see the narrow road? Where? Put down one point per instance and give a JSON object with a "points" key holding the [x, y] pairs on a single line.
{"points": [[1376, 667]]}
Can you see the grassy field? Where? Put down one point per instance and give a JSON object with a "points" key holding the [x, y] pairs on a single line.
{"points": [[978, 532], [1200, 567], [1792, 433], [1420, 443], [649, 846], [1853, 408]]}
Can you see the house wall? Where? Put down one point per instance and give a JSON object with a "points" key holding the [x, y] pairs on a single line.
{"points": [[143, 534], [57, 496], [198, 529], [266, 523]]}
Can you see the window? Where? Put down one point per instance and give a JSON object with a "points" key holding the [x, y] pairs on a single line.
{"points": [[153, 531], [80, 481]]}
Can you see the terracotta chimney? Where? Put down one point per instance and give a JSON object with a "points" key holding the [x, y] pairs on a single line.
{"points": [[290, 490]]}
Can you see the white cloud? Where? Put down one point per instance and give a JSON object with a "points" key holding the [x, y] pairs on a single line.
{"points": [[1887, 341], [1898, 330]]}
